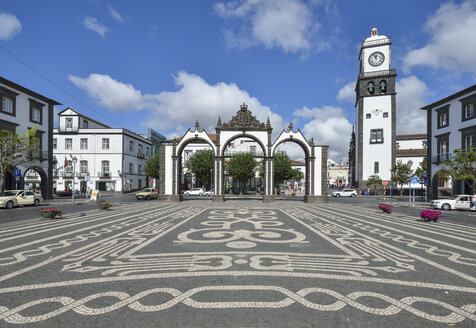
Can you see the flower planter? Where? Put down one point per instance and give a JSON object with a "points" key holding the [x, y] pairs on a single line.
{"points": [[50, 213], [386, 208], [430, 215], [104, 205]]}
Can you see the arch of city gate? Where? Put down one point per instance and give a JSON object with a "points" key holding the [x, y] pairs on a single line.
{"points": [[242, 125]]}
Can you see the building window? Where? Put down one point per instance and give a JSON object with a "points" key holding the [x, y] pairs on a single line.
{"points": [[105, 168], [55, 144], [368, 115], [375, 167], [147, 151], [140, 149], [69, 123], [131, 145], [443, 116], [371, 87], [83, 167], [376, 136], [105, 143], [69, 167], [85, 124], [385, 115], [36, 112], [139, 169], [68, 144], [8, 104], [468, 137], [131, 168], [442, 144], [253, 149], [382, 86], [468, 111], [84, 144]]}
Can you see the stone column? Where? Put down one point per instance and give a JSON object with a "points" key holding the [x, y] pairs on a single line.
{"points": [[218, 177], [268, 180], [177, 174]]}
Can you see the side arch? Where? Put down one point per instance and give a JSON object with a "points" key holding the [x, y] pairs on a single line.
{"points": [[43, 180]]}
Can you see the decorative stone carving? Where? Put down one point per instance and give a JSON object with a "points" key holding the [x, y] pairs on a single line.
{"points": [[243, 121]]}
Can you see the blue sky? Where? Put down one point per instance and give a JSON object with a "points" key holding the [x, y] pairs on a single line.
{"points": [[164, 64]]}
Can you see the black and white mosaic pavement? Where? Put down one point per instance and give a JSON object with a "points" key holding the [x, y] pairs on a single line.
{"points": [[153, 264]]}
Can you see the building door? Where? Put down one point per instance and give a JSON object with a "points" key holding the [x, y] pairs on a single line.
{"points": [[139, 184]]}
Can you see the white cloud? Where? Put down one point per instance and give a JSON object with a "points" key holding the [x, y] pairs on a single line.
{"points": [[109, 93], [411, 95], [115, 14], [328, 126], [347, 92], [453, 40], [93, 24], [176, 111], [9, 26], [285, 24]]}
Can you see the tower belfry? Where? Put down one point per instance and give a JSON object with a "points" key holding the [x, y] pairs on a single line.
{"points": [[375, 110]]}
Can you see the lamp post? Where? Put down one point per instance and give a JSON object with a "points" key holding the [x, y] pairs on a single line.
{"points": [[211, 179], [410, 163], [74, 159]]}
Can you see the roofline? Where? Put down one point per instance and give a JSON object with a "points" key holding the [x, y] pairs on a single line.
{"points": [[28, 91], [451, 97], [84, 116]]}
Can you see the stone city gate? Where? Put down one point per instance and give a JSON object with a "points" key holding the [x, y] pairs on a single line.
{"points": [[242, 125]]}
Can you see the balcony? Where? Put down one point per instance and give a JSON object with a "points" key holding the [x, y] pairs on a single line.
{"points": [[230, 153], [68, 173], [437, 159], [378, 73], [104, 174]]}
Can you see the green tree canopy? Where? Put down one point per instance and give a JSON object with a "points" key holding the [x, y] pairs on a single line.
{"points": [[282, 168], [242, 167], [460, 167], [421, 170], [401, 173], [152, 167], [16, 150], [200, 163], [375, 181]]}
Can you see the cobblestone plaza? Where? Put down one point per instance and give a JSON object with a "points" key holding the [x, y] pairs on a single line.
{"points": [[237, 264]]}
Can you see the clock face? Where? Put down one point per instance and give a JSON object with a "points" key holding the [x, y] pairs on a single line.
{"points": [[376, 59]]}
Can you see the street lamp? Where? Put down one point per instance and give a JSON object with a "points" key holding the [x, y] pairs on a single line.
{"points": [[74, 172], [211, 179], [410, 163]]}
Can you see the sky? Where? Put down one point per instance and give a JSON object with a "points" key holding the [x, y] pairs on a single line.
{"points": [[165, 64]]}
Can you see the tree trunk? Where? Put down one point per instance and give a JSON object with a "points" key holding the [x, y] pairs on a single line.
{"points": [[401, 189], [2, 182], [241, 188]]}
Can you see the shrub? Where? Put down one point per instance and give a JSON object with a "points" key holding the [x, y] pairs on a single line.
{"points": [[387, 208], [430, 215]]}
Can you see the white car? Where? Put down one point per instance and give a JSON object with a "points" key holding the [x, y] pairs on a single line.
{"points": [[344, 193], [12, 198], [194, 192], [457, 202], [209, 193]]}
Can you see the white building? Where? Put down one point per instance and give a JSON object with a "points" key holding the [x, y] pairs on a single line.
{"points": [[374, 147], [20, 110], [337, 174], [411, 148], [451, 124], [107, 159]]}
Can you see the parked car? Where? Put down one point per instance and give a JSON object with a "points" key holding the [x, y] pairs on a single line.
{"points": [[147, 193], [194, 192], [12, 198], [344, 193], [457, 202], [209, 193]]}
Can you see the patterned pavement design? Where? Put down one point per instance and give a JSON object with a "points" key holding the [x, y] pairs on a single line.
{"points": [[147, 263]]}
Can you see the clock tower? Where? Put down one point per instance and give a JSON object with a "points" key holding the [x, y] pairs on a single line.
{"points": [[375, 111]]}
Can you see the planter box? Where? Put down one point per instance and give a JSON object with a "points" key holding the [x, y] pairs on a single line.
{"points": [[387, 208]]}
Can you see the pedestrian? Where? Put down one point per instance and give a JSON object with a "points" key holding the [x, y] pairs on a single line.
{"points": [[472, 202], [89, 192]]}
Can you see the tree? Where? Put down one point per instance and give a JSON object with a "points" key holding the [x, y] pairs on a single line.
{"points": [[460, 167], [375, 181], [200, 163], [282, 168], [242, 167], [401, 174], [152, 167], [15, 150], [421, 170]]}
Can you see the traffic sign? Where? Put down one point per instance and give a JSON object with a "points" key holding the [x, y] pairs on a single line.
{"points": [[426, 183], [384, 182], [17, 173], [413, 180]]}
